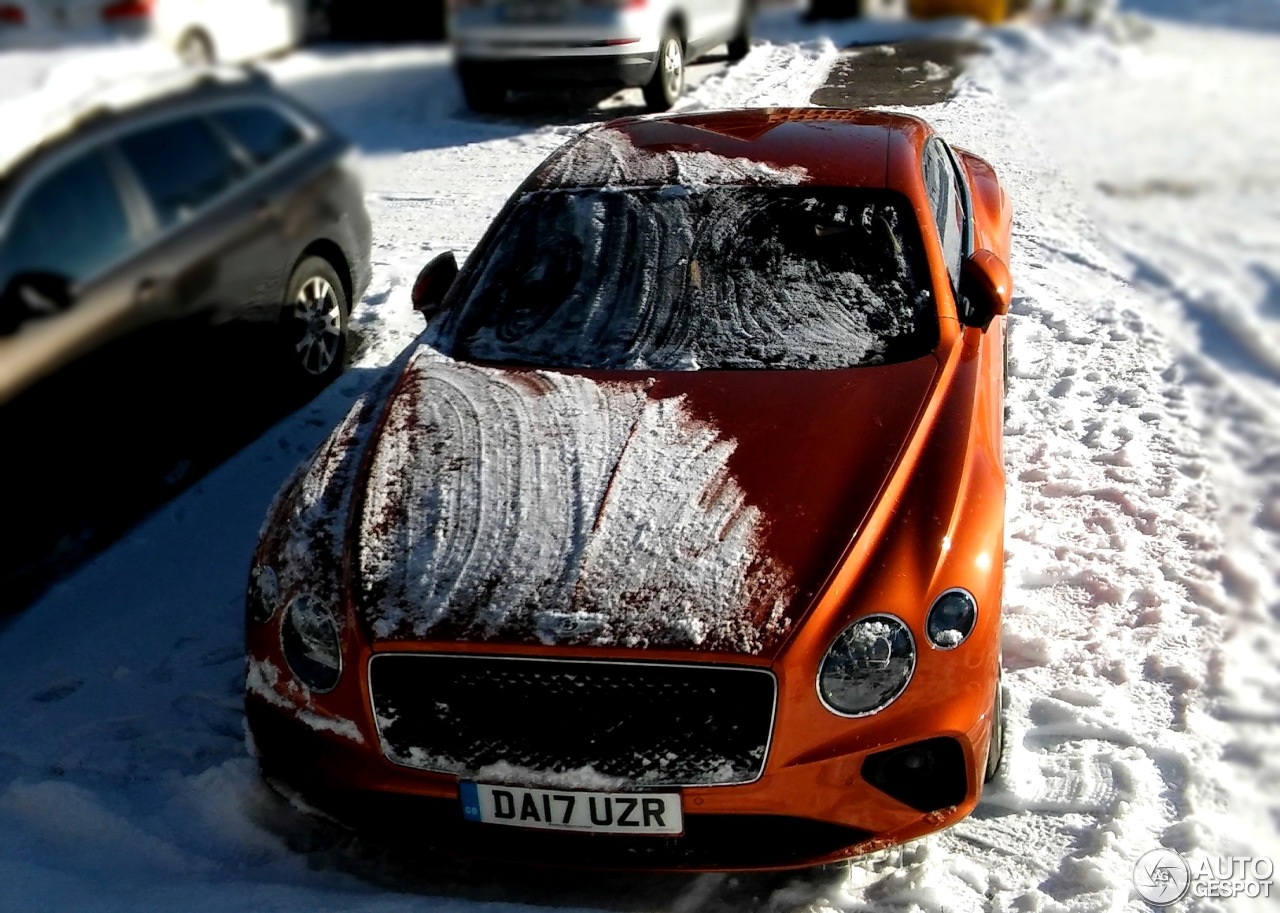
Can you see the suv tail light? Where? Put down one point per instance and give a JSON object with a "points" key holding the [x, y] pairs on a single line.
{"points": [[12, 15], [618, 4], [126, 10]]}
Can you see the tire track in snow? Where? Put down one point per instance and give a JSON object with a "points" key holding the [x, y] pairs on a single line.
{"points": [[1111, 591], [770, 75], [1190, 218]]}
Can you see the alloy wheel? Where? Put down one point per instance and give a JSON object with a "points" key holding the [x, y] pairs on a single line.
{"points": [[317, 309], [673, 68]]}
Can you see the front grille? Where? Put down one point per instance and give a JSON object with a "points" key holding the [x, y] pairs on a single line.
{"points": [[569, 723]]}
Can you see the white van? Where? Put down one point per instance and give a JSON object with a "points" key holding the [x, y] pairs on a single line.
{"points": [[507, 44], [199, 31]]}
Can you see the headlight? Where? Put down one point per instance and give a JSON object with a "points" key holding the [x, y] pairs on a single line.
{"points": [[951, 619], [309, 638], [867, 666], [264, 593]]}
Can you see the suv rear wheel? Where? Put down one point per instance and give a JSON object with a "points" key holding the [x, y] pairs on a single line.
{"points": [[195, 49], [664, 89]]}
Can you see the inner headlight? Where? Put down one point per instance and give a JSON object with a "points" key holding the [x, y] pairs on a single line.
{"points": [[309, 638], [951, 619], [867, 666], [264, 592]]}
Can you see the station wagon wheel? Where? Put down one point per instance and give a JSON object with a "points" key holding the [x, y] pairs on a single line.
{"points": [[315, 321], [663, 90]]}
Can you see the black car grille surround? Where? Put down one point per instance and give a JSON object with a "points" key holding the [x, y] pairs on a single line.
{"points": [[928, 776], [573, 723]]}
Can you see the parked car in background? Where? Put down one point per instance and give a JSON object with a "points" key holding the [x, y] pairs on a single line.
{"points": [[219, 199], [198, 31], [849, 9], [679, 541], [381, 20], [508, 44], [988, 11]]}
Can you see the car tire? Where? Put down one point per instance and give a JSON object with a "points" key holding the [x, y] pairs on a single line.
{"points": [[667, 84], [314, 323], [995, 751], [482, 95], [740, 44], [195, 49]]}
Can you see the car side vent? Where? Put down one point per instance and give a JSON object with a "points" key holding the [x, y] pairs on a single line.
{"points": [[927, 776]]}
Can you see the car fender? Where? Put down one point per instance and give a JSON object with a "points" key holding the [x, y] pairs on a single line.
{"points": [[992, 211]]}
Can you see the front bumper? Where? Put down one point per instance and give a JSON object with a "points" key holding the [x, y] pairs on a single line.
{"points": [[812, 811], [604, 69]]}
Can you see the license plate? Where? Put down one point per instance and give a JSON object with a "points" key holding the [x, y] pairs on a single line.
{"points": [[572, 810]]}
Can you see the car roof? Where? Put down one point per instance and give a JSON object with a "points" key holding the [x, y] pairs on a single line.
{"points": [[70, 116], [815, 146]]}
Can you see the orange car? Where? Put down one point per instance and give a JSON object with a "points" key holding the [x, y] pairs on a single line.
{"points": [[678, 542], [991, 12]]}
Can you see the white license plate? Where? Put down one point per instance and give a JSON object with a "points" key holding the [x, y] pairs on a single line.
{"points": [[572, 810]]}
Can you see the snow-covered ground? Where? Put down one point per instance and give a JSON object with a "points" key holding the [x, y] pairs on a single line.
{"points": [[1143, 563]]}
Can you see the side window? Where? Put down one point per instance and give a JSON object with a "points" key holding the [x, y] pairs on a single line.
{"points": [[957, 217], [72, 225], [263, 133], [948, 206], [182, 165]]}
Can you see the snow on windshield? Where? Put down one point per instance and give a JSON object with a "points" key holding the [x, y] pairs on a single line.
{"points": [[550, 505], [668, 279]]}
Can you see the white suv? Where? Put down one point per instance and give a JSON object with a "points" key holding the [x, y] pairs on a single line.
{"points": [[199, 31], [507, 44]]}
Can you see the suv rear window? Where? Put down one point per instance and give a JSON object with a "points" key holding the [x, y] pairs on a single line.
{"points": [[672, 279], [182, 164], [264, 134]]}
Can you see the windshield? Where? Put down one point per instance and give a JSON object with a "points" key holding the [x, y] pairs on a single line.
{"points": [[675, 279]]}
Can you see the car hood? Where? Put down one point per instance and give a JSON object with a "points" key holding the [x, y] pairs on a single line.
{"points": [[695, 510]]}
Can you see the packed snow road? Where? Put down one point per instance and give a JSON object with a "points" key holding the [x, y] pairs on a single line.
{"points": [[1139, 661]]}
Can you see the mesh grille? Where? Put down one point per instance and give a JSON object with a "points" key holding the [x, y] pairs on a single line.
{"points": [[569, 723]]}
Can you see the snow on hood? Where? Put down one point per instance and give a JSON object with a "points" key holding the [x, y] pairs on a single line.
{"points": [[609, 158], [553, 507], [303, 535]]}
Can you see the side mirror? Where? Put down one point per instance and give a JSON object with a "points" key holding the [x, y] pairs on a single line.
{"points": [[433, 284], [33, 296], [986, 289]]}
